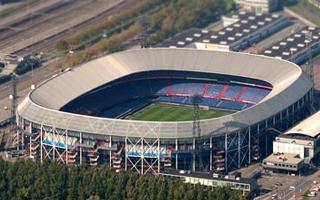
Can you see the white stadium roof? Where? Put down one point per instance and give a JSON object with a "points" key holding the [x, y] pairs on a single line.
{"points": [[42, 104], [308, 127]]}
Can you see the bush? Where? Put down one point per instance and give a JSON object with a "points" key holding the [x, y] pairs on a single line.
{"points": [[4, 78], [27, 64], [62, 47]]}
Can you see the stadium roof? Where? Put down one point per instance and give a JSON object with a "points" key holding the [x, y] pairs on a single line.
{"points": [[308, 127], [42, 104]]}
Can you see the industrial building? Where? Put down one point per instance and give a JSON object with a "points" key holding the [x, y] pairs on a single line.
{"points": [[80, 116], [297, 147], [185, 39], [259, 5], [241, 30], [245, 29], [297, 47], [215, 180]]}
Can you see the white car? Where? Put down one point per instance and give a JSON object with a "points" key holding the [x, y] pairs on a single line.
{"points": [[292, 188], [312, 194]]}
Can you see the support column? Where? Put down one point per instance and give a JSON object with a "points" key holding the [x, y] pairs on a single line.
{"points": [[66, 141], [177, 160], [126, 154], [288, 118], [30, 137], [142, 157], [80, 149], [226, 150], [194, 155], [274, 120], [41, 144], [110, 152], [266, 136], [210, 167], [239, 150], [159, 155], [249, 145], [293, 114]]}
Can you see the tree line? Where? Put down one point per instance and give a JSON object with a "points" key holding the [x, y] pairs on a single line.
{"points": [[25, 179]]}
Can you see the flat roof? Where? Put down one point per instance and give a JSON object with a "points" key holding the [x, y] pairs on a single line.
{"points": [[206, 175], [185, 38], [284, 158], [293, 44], [309, 127], [248, 23]]}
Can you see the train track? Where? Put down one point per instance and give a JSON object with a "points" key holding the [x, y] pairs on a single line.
{"points": [[29, 28]]}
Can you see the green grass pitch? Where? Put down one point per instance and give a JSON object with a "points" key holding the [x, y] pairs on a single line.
{"points": [[167, 112]]}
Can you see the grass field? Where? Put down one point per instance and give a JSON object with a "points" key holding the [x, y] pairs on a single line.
{"points": [[165, 112]]}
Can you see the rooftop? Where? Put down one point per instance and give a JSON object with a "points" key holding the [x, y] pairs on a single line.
{"points": [[206, 175], [293, 44], [284, 158], [185, 38], [309, 127], [247, 23]]}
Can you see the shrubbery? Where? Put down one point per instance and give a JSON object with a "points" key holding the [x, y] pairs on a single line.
{"points": [[27, 64]]}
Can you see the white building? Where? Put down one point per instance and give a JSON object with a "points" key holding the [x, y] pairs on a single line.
{"points": [[296, 147], [259, 5]]}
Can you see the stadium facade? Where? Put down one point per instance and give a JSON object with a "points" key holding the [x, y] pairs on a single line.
{"points": [[71, 117]]}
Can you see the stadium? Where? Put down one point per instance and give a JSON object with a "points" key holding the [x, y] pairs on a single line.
{"points": [[149, 110]]}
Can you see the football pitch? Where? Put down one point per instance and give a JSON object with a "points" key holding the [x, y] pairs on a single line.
{"points": [[167, 112]]}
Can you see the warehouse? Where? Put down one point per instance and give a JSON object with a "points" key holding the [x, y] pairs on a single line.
{"points": [[243, 30], [295, 47], [296, 148]]}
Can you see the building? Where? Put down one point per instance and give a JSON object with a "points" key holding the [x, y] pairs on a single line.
{"points": [[214, 180], [259, 5], [185, 39], [80, 116], [297, 147], [242, 30], [297, 47]]}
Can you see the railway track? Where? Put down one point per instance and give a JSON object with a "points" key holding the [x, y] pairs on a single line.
{"points": [[31, 26], [56, 22]]}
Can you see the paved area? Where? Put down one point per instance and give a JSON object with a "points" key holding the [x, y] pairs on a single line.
{"points": [[24, 83]]}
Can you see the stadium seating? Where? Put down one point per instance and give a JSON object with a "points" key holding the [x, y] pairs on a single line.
{"points": [[121, 99], [254, 95]]}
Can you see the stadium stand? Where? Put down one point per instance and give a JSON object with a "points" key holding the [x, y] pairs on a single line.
{"points": [[129, 95]]}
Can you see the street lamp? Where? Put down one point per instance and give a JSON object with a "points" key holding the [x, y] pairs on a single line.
{"points": [[65, 59]]}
